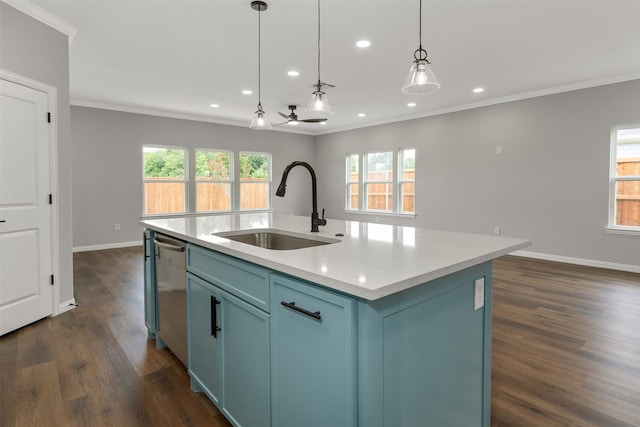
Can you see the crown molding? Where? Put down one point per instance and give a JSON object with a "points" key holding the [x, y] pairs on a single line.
{"points": [[174, 115], [38, 13]]}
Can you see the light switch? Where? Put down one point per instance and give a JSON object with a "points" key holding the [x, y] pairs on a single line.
{"points": [[478, 296]]}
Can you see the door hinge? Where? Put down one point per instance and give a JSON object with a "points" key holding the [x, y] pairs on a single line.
{"points": [[50, 199], [51, 281], [48, 117]]}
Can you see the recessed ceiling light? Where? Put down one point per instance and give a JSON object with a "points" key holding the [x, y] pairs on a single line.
{"points": [[293, 73], [363, 43], [411, 104], [246, 92], [478, 90], [361, 114], [214, 105]]}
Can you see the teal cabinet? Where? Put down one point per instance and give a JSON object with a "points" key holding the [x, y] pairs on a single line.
{"points": [[229, 355], [148, 249], [313, 355], [204, 341]]}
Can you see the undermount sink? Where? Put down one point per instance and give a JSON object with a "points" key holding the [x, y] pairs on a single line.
{"points": [[275, 239]]}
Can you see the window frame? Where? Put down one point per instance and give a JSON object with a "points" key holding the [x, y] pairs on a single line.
{"points": [[614, 179], [396, 183], [185, 179]]}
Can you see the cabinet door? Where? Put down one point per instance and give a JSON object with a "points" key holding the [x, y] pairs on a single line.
{"points": [[149, 283], [313, 343], [246, 363], [203, 315]]}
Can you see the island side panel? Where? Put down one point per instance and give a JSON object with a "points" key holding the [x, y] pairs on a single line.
{"points": [[424, 355]]}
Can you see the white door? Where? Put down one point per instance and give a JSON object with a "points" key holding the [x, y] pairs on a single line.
{"points": [[26, 293]]}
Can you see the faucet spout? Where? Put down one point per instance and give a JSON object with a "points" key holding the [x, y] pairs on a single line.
{"points": [[315, 219]]}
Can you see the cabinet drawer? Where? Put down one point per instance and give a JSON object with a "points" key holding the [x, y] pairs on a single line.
{"points": [[242, 279]]}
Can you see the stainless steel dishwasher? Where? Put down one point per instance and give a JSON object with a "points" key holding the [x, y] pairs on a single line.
{"points": [[171, 278]]}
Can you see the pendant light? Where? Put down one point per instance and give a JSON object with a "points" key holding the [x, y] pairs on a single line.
{"points": [[260, 120], [421, 79], [318, 104]]}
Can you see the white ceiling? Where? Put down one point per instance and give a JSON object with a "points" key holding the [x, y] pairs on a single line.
{"points": [[178, 57]]}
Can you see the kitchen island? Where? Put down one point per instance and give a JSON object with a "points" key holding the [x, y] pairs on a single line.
{"points": [[384, 326]]}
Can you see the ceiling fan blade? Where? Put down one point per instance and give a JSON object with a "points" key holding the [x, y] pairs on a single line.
{"points": [[312, 120], [280, 124], [283, 115]]}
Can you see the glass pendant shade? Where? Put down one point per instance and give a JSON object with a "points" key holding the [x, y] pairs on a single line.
{"points": [[421, 79], [318, 106], [260, 120]]}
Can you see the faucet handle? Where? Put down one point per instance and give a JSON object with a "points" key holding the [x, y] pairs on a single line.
{"points": [[323, 213]]}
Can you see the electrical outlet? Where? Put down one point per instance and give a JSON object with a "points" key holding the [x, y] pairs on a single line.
{"points": [[498, 150], [478, 295], [117, 227], [497, 231]]}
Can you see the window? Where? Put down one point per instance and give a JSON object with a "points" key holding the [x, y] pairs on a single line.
{"points": [[624, 183], [407, 179], [164, 180], [378, 181], [219, 181], [386, 179], [353, 181], [214, 180], [255, 181]]}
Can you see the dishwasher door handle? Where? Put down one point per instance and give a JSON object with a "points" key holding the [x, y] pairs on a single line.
{"points": [[169, 246]]}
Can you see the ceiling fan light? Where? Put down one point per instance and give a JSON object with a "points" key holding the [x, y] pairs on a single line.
{"points": [[318, 105], [260, 120], [421, 79]]}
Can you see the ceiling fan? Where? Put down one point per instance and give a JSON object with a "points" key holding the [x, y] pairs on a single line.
{"points": [[292, 118]]}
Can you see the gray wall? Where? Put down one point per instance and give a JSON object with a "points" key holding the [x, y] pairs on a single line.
{"points": [[36, 51], [107, 166], [550, 184]]}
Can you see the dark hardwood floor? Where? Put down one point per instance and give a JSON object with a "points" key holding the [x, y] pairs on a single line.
{"points": [[566, 352]]}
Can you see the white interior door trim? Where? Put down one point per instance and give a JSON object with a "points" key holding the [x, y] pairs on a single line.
{"points": [[52, 98]]}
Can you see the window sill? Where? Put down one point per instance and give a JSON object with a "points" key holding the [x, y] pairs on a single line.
{"points": [[207, 213], [380, 213], [629, 231]]}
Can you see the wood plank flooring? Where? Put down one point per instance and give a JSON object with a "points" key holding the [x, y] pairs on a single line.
{"points": [[566, 352]]}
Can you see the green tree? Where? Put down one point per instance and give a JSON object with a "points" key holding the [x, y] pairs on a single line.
{"points": [[164, 163]]}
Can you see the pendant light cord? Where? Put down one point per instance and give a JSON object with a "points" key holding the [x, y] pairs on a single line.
{"points": [[259, 60], [318, 44], [420, 27]]}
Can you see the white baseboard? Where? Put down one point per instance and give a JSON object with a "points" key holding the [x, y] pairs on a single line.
{"points": [[579, 261], [106, 246], [67, 305]]}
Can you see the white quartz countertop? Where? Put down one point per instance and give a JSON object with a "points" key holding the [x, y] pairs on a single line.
{"points": [[370, 261]]}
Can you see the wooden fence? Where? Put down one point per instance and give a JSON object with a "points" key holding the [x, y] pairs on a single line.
{"points": [[380, 195], [169, 197]]}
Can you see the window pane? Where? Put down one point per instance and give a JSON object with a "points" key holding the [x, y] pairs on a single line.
{"points": [[354, 196], [163, 162], [254, 195], [408, 163], [255, 179], [380, 196], [213, 196], [354, 168], [213, 165], [628, 152], [408, 197], [628, 203], [254, 166], [380, 166], [164, 197]]}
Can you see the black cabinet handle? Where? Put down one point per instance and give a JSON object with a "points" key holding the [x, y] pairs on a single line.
{"points": [[144, 245], [292, 305], [214, 322]]}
